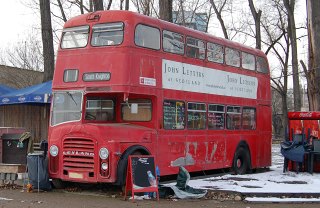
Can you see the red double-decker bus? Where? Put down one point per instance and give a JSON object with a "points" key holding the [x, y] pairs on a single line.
{"points": [[128, 84]]}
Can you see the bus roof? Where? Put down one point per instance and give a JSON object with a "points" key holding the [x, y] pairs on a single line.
{"points": [[129, 16]]}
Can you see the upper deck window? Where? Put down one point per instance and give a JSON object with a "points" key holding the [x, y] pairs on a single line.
{"points": [[75, 37], [262, 65], [195, 48], [70, 75], [148, 37], [248, 61], [107, 34], [173, 42], [232, 57], [215, 53]]}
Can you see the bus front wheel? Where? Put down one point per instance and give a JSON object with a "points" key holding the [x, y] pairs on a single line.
{"points": [[241, 161], [58, 183]]}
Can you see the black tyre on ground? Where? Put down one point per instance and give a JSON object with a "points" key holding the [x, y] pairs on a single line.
{"points": [[241, 161], [58, 184]]}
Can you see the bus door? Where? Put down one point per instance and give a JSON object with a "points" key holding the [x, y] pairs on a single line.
{"points": [[171, 138]]}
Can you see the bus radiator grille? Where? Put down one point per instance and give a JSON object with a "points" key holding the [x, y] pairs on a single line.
{"points": [[78, 154]]}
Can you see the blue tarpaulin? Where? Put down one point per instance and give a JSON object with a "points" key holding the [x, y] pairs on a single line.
{"points": [[5, 89], [40, 93]]}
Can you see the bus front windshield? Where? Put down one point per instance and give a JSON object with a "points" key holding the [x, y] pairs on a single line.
{"points": [[66, 106]]}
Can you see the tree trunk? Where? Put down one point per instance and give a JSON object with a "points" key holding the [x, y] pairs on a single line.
{"points": [[81, 7], [219, 16], [256, 16], [62, 11], [47, 40], [284, 110], [97, 5], [109, 5], [165, 10], [127, 5], [313, 8], [289, 4]]}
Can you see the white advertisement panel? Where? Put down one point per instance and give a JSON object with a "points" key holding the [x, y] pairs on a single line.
{"points": [[192, 78]]}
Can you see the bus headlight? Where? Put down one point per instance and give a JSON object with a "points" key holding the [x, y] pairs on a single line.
{"points": [[104, 166], [104, 153], [54, 150]]}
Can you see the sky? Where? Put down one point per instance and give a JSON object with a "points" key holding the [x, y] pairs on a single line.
{"points": [[16, 21]]}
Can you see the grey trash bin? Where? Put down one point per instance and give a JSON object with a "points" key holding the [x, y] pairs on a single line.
{"points": [[38, 171]]}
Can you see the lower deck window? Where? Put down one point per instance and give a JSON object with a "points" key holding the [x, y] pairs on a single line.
{"points": [[216, 117], [66, 107], [249, 118], [233, 118], [99, 109], [173, 114], [196, 116], [136, 110]]}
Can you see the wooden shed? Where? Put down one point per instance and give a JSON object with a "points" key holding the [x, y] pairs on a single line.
{"points": [[28, 108], [32, 117]]}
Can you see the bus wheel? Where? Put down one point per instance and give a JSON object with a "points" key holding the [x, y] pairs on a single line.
{"points": [[58, 184], [240, 161], [123, 186]]}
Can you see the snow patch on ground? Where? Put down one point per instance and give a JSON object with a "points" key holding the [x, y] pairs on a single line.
{"points": [[272, 182]]}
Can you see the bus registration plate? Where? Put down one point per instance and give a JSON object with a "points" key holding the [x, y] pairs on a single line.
{"points": [[75, 175]]}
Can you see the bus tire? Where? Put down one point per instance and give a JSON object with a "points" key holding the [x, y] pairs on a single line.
{"points": [[241, 161], [58, 183], [123, 163]]}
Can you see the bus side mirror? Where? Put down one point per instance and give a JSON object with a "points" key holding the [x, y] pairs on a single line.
{"points": [[134, 108]]}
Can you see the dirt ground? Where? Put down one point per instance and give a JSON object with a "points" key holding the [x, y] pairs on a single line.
{"points": [[17, 197]]}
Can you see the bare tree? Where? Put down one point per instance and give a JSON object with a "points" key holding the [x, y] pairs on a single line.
{"points": [[26, 54], [278, 44], [144, 6], [290, 5], [313, 74], [47, 40]]}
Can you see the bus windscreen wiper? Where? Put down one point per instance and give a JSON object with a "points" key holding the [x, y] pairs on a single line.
{"points": [[71, 96]]}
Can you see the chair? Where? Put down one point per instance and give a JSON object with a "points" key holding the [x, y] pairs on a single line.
{"points": [[298, 138], [293, 151], [315, 150]]}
